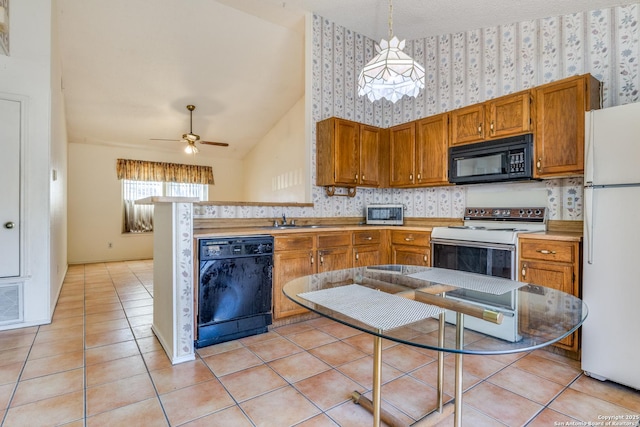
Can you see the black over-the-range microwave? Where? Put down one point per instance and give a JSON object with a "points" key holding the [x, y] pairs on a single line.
{"points": [[507, 159]]}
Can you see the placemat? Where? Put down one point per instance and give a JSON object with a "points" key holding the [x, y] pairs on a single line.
{"points": [[475, 282], [374, 308]]}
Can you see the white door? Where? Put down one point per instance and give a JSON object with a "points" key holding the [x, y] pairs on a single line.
{"points": [[10, 188]]}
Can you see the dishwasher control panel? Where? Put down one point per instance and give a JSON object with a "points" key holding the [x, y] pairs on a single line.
{"points": [[231, 247]]}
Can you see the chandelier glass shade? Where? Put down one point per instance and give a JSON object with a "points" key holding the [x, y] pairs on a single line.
{"points": [[391, 74]]}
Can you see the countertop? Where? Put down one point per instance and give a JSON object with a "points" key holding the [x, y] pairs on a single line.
{"points": [[559, 235], [565, 236], [274, 231]]}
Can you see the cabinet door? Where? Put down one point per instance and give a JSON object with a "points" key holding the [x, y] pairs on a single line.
{"points": [[510, 115], [467, 124], [402, 154], [289, 265], [552, 275], [334, 259], [559, 126], [432, 142], [370, 155], [347, 152], [367, 255], [410, 255]]}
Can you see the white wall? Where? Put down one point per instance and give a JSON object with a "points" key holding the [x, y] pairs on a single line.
{"points": [[275, 169], [58, 171], [27, 72], [95, 200]]}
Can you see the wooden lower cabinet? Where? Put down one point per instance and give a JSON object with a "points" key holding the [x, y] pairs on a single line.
{"points": [[411, 248], [369, 248], [334, 251], [553, 264], [294, 257]]}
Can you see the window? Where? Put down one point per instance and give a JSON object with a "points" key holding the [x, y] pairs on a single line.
{"points": [[139, 218]]}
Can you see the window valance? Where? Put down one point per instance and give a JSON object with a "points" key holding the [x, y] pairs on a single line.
{"points": [[142, 170]]}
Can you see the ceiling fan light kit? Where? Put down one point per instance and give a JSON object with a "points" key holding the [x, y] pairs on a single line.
{"points": [[391, 74], [191, 148]]}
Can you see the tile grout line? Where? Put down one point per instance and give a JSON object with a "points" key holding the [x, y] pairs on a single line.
{"points": [[135, 338]]}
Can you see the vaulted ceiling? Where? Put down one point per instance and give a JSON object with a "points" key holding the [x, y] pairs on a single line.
{"points": [[130, 67]]}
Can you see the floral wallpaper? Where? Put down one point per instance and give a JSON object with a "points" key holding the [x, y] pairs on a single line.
{"points": [[463, 69]]}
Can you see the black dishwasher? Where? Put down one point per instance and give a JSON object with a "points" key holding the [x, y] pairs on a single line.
{"points": [[234, 288]]}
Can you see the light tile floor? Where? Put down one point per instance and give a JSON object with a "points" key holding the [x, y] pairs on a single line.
{"points": [[98, 363]]}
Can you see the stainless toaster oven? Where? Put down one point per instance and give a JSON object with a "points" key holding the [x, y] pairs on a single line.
{"points": [[389, 214]]}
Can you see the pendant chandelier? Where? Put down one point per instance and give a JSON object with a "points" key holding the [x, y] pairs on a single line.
{"points": [[391, 74]]}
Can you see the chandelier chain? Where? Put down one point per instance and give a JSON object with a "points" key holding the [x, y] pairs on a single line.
{"points": [[390, 19]]}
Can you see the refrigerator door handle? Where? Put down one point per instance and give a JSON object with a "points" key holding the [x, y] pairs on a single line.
{"points": [[588, 222]]}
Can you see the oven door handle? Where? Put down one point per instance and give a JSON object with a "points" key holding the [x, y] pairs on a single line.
{"points": [[502, 246]]}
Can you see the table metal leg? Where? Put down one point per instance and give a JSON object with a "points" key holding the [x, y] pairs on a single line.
{"points": [[441, 362], [457, 417], [377, 374]]}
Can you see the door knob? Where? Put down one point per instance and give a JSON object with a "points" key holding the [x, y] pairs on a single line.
{"points": [[9, 225]]}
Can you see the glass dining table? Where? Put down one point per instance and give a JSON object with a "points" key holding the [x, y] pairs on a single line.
{"points": [[427, 307]]}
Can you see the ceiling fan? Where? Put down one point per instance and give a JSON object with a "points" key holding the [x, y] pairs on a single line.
{"points": [[191, 138]]}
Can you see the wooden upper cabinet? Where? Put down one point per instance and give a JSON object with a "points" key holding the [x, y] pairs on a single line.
{"points": [[497, 118], [467, 124], [402, 154], [372, 142], [348, 154], [432, 142], [510, 115], [560, 121]]}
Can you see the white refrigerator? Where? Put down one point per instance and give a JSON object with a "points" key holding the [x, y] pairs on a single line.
{"points": [[611, 248]]}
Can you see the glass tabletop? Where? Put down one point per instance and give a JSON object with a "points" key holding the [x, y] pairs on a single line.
{"points": [[403, 303]]}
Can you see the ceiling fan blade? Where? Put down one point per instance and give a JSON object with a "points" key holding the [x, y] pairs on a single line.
{"points": [[220, 144]]}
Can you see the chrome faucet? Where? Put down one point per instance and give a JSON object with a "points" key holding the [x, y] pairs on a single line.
{"points": [[284, 219]]}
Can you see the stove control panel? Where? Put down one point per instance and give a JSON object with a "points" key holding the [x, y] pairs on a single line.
{"points": [[505, 214]]}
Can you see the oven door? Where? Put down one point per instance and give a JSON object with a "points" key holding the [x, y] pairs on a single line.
{"points": [[491, 259]]}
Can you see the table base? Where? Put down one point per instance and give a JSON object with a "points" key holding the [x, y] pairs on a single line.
{"points": [[438, 414]]}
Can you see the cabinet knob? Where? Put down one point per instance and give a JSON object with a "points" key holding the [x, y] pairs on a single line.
{"points": [[357, 256], [419, 177], [355, 179], [368, 238], [480, 129], [362, 177], [425, 258], [311, 257], [409, 239], [491, 127], [410, 177], [546, 252], [539, 163], [524, 270], [9, 225]]}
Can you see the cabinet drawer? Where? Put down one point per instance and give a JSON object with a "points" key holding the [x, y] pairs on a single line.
{"points": [[293, 242], [366, 237], [332, 240], [547, 250], [400, 237]]}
